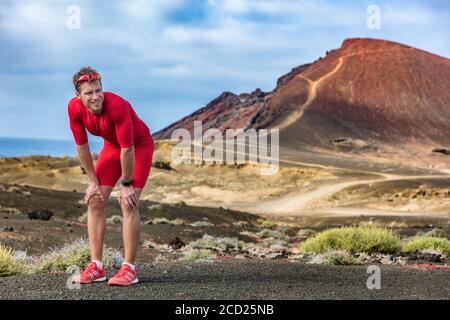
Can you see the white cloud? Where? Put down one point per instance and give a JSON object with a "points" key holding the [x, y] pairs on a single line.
{"points": [[148, 9], [228, 31], [32, 20], [236, 6], [173, 71], [313, 12], [145, 53]]}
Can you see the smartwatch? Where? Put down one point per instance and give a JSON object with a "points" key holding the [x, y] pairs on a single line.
{"points": [[126, 183]]}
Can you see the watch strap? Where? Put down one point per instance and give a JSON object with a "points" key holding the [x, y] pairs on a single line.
{"points": [[126, 183]]}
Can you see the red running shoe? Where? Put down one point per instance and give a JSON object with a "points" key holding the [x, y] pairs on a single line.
{"points": [[125, 277], [91, 274]]}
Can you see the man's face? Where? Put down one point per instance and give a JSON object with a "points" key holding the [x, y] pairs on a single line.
{"points": [[91, 94]]}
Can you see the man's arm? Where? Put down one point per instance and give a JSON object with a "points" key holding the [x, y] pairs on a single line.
{"points": [[81, 140], [127, 194], [124, 132], [127, 162], [86, 161]]}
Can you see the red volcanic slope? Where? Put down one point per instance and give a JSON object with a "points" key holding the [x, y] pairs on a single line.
{"points": [[226, 111], [368, 89]]}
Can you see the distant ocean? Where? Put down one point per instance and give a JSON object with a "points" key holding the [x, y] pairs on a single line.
{"points": [[18, 147]]}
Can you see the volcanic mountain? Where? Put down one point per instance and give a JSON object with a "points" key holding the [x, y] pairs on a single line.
{"points": [[366, 93]]}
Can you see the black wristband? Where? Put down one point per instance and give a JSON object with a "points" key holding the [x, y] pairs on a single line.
{"points": [[126, 183]]}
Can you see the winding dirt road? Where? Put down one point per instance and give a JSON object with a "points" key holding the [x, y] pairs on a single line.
{"points": [[297, 202]]}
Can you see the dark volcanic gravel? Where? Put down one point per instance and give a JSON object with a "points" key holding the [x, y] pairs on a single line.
{"points": [[243, 279]]}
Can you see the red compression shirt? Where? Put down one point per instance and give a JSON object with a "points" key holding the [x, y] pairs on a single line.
{"points": [[118, 123]]}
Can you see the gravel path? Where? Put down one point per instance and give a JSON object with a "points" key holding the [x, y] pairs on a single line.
{"points": [[243, 279]]}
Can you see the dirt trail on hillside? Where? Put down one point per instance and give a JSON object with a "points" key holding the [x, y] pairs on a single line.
{"points": [[313, 85], [312, 93], [297, 202]]}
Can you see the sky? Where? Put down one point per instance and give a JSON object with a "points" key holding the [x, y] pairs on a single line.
{"points": [[169, 58]]}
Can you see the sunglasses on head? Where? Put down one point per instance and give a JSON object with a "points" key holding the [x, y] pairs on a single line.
{"points": [[87, 77]]}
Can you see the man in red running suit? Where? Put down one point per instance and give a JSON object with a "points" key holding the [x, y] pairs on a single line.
{"points": [[126, 156]]}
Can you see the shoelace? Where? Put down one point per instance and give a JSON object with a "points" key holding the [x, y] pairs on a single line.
{"points": [[91, 272], [124, 273]]}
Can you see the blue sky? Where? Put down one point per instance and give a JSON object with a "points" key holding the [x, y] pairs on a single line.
{"points": [[171, 57]]}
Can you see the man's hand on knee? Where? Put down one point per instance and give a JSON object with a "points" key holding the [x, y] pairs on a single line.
{"points": [[128, 197], [92, 191]]}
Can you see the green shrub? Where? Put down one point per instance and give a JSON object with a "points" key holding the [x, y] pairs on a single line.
{"points": [[267, 233], [427, 242], [175, 222], [9, 264], [76, 253], [354, 239], [196, 255], [267, 223]]}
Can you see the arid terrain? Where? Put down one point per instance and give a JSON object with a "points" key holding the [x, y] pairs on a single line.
{"points": [[224, 200], [364, 141]]}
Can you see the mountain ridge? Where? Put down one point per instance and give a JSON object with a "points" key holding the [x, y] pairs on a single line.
{"points": [[372, 90]]}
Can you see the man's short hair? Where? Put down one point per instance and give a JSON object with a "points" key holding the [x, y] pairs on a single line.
{"points": [[83, 71]]}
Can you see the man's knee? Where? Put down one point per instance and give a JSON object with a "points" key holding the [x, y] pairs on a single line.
{"points": [[127, 212], [97, 204]]}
